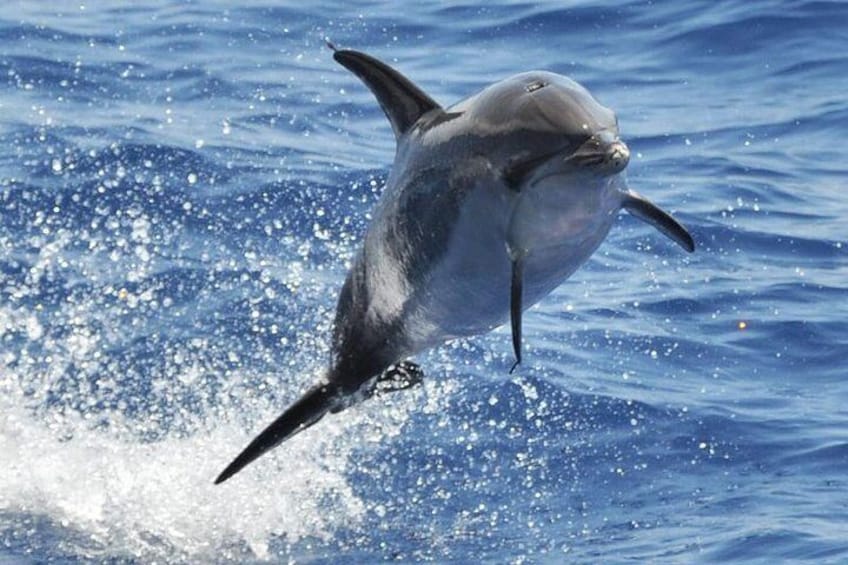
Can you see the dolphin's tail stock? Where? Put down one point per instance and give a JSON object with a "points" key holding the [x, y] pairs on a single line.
{"points": [[305, 412]]}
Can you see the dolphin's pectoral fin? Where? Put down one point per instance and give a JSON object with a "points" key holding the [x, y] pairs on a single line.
{"points": [[515, 297], [311, 407], [399, 376], [400, 99], [648, 212]]}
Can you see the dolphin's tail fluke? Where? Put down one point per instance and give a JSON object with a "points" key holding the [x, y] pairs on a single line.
{"points": [[308, 410]]}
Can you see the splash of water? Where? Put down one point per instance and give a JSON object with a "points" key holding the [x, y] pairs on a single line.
{"points": [[147, 499]]}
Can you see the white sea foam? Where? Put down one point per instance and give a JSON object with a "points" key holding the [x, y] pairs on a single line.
{"points": [[156, 500]]}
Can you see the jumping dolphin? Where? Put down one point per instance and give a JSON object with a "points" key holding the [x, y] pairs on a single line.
{"points": [[490, 205]]}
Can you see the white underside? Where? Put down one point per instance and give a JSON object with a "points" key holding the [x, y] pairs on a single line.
{"points": [[555, 224]]}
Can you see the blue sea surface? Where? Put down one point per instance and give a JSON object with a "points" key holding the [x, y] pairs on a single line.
{"points": [[183, 186]]}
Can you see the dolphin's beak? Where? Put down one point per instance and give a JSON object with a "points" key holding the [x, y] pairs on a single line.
{"points": [[604, 153], [618, 156]]}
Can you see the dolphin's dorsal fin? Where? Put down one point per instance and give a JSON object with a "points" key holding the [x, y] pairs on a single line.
{"points": [[400, 99]]}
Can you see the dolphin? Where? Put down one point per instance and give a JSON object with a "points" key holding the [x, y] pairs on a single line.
{"points": [[491, 203]]}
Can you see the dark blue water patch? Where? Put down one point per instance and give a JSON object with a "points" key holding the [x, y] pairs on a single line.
{"points": [[52, 158], [607, 313], [774, 249], [779, 544], [24, 534], [752, 182], [815, 69], [53, 78], [154, 183], [830, 459], [722, 148], [274, 16], [23, 31], [298, 205], [757, 30], [516, 20], [197, 301], [801, 292], [741, 304], [186, 84], [309, 27], [121, 160], [682, 306], [815, 347]]}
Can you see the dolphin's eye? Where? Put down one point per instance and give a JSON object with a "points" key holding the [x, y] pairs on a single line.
{"points": [[535, 85]]}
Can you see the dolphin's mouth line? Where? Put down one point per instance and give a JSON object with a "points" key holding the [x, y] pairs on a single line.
{"points": [[584, 160], [576, 173], [580, 164]]}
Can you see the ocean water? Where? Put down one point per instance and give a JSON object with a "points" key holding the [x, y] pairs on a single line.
{"points": [[183, 186]]}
